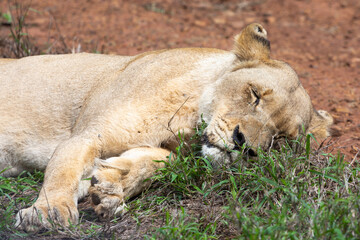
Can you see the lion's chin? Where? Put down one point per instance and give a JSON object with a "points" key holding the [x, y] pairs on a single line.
{"points": [[217, 156]]}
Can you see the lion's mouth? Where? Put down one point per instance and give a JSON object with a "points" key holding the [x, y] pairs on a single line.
{"points": [[238, 146]]}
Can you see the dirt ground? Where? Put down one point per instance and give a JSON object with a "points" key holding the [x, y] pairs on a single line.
{"points": [[319, 38]]}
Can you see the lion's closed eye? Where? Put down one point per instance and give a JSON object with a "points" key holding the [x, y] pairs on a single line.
{"points": [[257, 97]]}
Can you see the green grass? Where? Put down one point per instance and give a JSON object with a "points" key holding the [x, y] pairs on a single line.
{"points": [[180, 225], [289, 193], [15, 194], [20, 44]]}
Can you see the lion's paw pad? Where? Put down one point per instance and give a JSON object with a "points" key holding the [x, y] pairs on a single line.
{"points": [[107, 198]]}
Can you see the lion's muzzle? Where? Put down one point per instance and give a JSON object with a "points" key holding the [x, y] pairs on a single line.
{"points": [[222, 154]]}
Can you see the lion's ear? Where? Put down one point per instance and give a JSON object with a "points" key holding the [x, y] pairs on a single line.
{"points": [[320, 125], [252, 43]]}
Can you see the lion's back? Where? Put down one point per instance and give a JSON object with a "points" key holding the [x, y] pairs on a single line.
{"points": [[52, 84]]}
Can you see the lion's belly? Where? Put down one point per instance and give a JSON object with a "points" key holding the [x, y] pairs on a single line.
{"points": [[25, 153]]}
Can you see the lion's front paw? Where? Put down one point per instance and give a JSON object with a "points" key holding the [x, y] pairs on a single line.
{"points": [[47, 216], [107, 198]]}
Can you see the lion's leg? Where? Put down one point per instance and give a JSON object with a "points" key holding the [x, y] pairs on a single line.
{"points": [[120, 178], [57, 202]]}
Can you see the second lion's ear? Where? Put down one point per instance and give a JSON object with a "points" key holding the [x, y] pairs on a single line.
{"points": [[252, 43]]}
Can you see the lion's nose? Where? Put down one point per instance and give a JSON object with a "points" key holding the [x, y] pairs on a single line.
{"points": [[238, 137]]}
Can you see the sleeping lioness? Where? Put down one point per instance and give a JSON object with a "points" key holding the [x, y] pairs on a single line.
{"points": [[108, 117]]}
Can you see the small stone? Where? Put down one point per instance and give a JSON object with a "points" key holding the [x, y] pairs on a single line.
{"points": [[229, 13], [250, 19], [219, 20], [270, 19], [309, 56], [342, 110], [355, 62], [200, 23], [237, 24]]}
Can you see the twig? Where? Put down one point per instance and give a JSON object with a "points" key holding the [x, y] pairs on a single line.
{"points": [[172, 117], [351, 163]]}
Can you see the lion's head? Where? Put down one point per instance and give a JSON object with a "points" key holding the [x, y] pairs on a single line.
{"points": [[260, 100]]}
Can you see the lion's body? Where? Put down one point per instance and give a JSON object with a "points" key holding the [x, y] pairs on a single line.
{"points": [[41, 108], [109, 117]]}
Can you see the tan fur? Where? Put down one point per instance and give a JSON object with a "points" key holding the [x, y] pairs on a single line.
{"points": [[109, 117], [4, 61]]}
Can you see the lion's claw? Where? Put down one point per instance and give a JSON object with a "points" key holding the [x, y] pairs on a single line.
{"points": [[40, 216]]}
